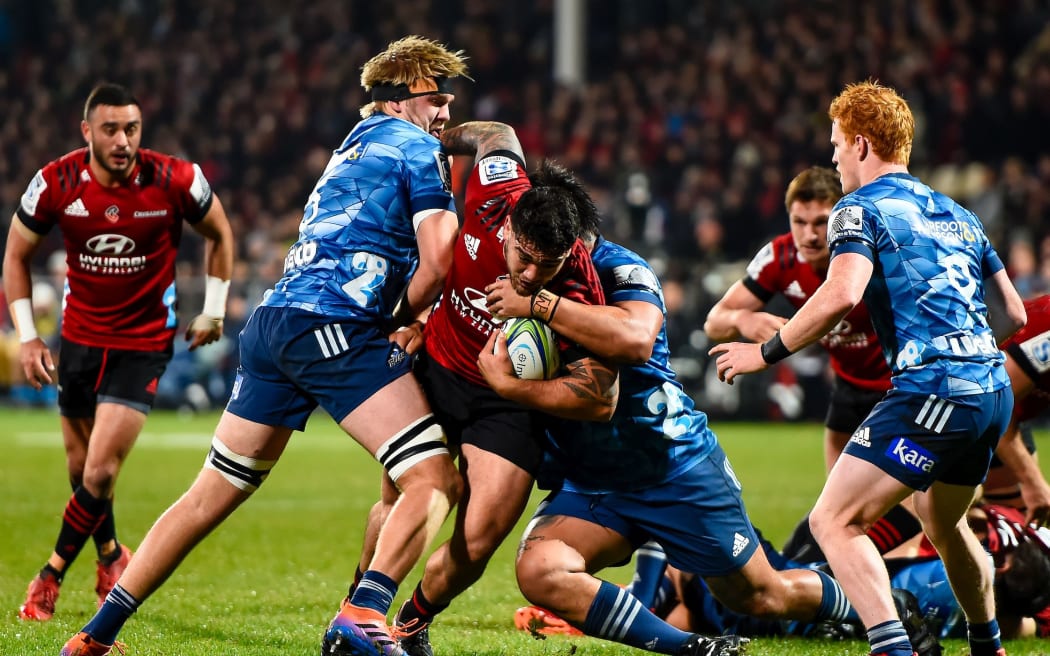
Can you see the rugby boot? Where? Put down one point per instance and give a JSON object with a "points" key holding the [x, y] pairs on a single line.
{"points": [[923, 639], [414, 635], [538, 620], [356, 631], [40, 598], [106, 576], [84, 645]]}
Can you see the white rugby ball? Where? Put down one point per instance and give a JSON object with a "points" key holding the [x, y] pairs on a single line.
{"points": [[533, 349]]}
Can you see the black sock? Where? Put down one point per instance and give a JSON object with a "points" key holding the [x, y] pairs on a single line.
{"points": [[82, 516], [419, 608]]}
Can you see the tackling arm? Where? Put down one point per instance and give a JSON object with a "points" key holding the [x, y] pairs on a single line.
{"points": [[479, 138], [589, 392]]}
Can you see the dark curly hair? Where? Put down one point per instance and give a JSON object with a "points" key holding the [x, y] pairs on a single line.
{"points": [[553, 175]]}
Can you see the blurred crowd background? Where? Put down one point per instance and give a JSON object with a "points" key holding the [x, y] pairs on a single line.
{"points": [[689, 121]]}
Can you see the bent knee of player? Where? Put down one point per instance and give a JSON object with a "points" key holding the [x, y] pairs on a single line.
{"points": [[542, 564]]}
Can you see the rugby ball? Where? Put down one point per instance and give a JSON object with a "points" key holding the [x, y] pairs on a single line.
{"points": [[533, 349]]}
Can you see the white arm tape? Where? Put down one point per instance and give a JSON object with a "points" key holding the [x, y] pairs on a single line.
{"points": [[215, 292], [22, 315]]}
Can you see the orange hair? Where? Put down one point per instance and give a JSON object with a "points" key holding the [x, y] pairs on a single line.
{"points": [[878, 114]]}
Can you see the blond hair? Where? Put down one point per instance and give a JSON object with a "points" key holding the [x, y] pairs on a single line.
{"points": [[815, 183], [878, 114], [409, 60]]}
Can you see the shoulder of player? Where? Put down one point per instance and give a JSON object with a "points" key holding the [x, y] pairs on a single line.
{"points": [[165, 170]]}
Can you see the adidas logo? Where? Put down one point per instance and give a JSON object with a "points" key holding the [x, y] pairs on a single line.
{"points": [[739, 544], [472, 244], [794, 290], [861, 436], [76, 208]]}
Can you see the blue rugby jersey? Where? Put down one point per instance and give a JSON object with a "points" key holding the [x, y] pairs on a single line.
{"points": [[357, 245], [656, 432], [926, 295]]}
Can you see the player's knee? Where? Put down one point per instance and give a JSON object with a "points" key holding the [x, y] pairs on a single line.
{"points": [[418, 456], [243, 472], [100, 479], [538, 569]]}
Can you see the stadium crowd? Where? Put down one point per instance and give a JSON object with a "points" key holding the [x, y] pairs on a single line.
{"points": [[692, 119]]}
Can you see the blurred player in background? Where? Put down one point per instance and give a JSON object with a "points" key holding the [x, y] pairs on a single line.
{"points": [[120, 209], [528, 235], [374, 246], [928, 275], [795, 265]]}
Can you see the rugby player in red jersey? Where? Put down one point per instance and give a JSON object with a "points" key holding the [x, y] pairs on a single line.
{"points": [[120, 209]]}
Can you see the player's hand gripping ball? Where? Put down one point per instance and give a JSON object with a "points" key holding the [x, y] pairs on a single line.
{"points": [[533, 349]]}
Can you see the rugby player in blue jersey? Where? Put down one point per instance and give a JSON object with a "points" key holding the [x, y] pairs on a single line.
{"points": [[374, 246], [655, 471], [935, 289]]}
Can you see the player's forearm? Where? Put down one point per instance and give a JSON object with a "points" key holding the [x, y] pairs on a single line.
{"points": [[479, 138], [721, 324], [589, 392], [606, 330]]}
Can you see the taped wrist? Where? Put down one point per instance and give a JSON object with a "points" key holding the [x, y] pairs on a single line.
{"points": [[774, 350], [544, 305], [22, 315], [215, 292]]}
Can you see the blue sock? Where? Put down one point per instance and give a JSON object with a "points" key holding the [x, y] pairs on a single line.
{"points": [[889, 639], [376, 591], [110, 619], [616, 615], [649, 565], [833, 603], [984, 638]]}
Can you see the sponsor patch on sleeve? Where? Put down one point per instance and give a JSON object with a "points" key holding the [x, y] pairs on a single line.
{"points": [[846, 222], [636, 276], [444, 163], [760, 261], [497, 168], [1037, 350], [31, 197], [200, 190]]}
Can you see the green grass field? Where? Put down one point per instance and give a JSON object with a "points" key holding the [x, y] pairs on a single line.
{"points": [[268, 581]]}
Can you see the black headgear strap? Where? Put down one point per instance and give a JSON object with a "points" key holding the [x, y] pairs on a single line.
{"points": [[387, 91]]}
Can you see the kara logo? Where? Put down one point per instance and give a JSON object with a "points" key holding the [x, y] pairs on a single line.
{"points": [[111, 244], [76, 208], [911, 455], [148, 214], [472, 243], [739, 544], [112, 213], [761, 260], [862, 436]]}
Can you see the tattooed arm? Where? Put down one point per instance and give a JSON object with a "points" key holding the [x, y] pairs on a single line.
{"points": [[588, 392], [479, 138]]}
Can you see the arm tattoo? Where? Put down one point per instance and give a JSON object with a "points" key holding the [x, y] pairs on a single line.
{"points": [[479, 138], [590, 379]]}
